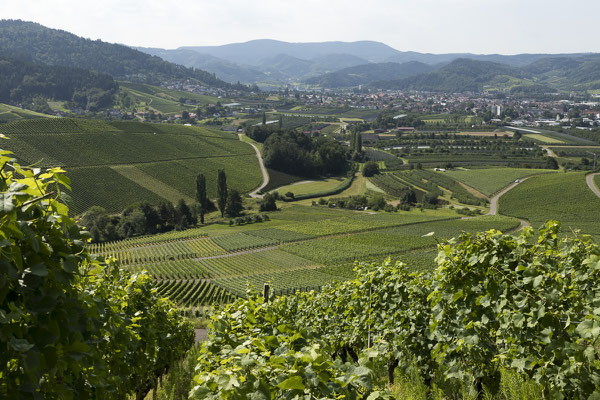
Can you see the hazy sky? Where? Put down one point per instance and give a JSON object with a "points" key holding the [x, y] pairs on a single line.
{"points": [[436, 26]]}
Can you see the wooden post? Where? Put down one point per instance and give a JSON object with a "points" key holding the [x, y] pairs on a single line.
{"points": [[266, 292]]}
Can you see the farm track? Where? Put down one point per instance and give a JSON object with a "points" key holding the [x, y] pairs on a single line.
{"points": [[265, 174], [496, 197], [590, 182], [494, 202]]}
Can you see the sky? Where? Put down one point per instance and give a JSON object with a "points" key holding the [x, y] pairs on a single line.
{"points": [[430, 26]]}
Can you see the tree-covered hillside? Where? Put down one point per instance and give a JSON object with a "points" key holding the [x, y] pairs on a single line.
{"points": [[35, 43], [21, 82], [367, 73], [460, 75]]}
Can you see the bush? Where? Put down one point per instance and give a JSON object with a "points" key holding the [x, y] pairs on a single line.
{"points": [[370, 168]]}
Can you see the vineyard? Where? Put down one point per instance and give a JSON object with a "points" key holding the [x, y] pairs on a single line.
{"points": [[562, 196], [424, 181], [140, 161], [300, 248], [501, 317], [490, 180]]}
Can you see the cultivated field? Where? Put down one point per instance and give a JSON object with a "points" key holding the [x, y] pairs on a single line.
{"points": [[299, 248], [490, 180], [563, 196], [134, 160]]}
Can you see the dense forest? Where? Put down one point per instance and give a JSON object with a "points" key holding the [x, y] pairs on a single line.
{"points": [[298, 154], [23, 82], [40, 45]]}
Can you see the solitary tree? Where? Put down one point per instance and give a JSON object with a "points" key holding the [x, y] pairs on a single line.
{"points": [[264, 119], [234, 205], [222, 191], [201, 196]]}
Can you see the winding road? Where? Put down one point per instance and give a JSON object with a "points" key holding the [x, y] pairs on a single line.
{"points": [[590, 182], [494, 201], [265, 174]]}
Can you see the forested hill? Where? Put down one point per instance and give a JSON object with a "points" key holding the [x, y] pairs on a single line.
{"points": [[367, 73], [460, 75], [545, 75], [37, 44], [22, 81]]}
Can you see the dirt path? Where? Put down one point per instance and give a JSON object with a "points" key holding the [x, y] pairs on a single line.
{"points": [[590, 182], [496, 197], [201, 335], [549, 152], [265, 174]]}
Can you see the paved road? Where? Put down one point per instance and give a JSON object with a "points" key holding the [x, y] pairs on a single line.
{"points": [[495, 198], [590, 182], [265, 174]]}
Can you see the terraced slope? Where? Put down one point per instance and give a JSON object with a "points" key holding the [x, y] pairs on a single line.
{"points": [[116, 164]]}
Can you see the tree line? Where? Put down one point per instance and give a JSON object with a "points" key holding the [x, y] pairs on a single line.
{"points": [[147, 219]]}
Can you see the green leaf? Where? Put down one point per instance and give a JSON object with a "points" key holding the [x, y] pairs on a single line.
{"points": [[292, 383], [20, 345]]}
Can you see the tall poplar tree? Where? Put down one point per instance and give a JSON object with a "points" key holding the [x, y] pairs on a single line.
{"points": [[222, 191], [201, 195]]}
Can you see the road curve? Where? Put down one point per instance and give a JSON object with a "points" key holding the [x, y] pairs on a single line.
{"points": [[496, 197], [590, 182], [265, 174]]}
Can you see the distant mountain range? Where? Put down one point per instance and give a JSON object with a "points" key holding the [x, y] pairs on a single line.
{"points": [[324, 64], [350, 64]]}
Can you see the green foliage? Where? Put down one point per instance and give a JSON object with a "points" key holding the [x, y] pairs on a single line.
{"points": [[234, 206], [72, 325], [528, 304], [268, 203], [501, 317], [26, 83], [370, 168], [297, 154], [249, 355]]}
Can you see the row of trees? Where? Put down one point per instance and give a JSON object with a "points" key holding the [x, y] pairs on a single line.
{"points": [[147, 219]]}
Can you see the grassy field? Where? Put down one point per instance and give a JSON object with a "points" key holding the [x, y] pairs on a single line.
{"points": [[306, 187], [10, 113], [543, 139], [491, 180], [563, 196], [138, 161], [597, 181]]}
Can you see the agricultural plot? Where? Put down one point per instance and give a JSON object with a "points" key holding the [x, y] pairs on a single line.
{"points": [[542, 138], [491, 180], [10, 113], [153, 161], [307, 214], [385, 242], [280, 282], [170, 251], [242, 241], [194, 293], [459, 193], [358, 222], [307, 187], [564, 197]]}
